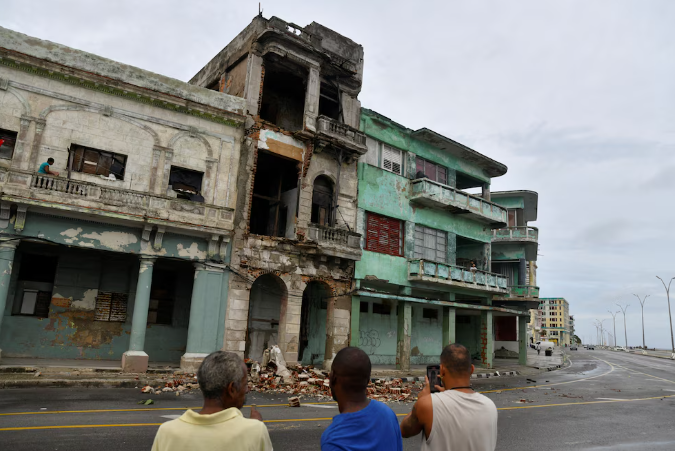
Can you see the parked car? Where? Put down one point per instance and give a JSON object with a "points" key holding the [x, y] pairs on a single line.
{"points": [[619, 348], [591, 347], [573, 348]]}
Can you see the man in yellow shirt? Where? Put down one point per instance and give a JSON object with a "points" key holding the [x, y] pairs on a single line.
{"points": [[220, 424]]}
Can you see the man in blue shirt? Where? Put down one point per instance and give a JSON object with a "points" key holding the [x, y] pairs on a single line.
{"points": [[45, 168], [363, 424]]}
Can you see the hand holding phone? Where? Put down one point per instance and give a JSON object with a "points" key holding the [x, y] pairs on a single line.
{"points": [[434, 377]]}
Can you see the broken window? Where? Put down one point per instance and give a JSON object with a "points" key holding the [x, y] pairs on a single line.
{"points": [[36, 281], [322, 201], [162, 297], [96, 162], [111, 306], [429, 313], [186, 183], [275, 196], [432, 171], [363, 307], [381, 308], [384, 235], [7, 143], [283, 96], [329, 102], [431, 244]]}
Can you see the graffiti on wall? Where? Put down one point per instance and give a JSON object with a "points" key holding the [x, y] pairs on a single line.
{"points": [[369, 340]]}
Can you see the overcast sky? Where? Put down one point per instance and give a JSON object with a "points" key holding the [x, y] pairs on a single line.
{"points": [[576, 97]]}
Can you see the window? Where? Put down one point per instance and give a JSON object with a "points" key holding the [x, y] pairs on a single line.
{"points": [[111, 307], [363, 308], [7, 143], [186, 183], [463, 319], [381, 309], [36, 281], [392, 159], [430, 170], [430, 244], [429, 313], [97, 162], [162, 296], [384, 235]]}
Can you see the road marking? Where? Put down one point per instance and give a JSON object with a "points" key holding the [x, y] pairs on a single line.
{"points": [[321, 407], [293, 420], [639, 372], [171, 417], [614, 399], [147, 409]]}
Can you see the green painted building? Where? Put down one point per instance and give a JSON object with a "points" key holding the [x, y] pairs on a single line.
{"points": [[425, 278]]}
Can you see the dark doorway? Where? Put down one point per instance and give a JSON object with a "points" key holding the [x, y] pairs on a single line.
{"points": [[268, 293], [322, 201], [329, 102], [315, 300]]}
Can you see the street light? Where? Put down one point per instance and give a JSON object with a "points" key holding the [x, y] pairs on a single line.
{"points": [[623, 309], [672, 341], [614, 319], [642, 307], [602, 330]]}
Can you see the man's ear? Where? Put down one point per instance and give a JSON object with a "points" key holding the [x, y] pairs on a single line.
{"points": [[473, 368], [443, 371], [231, 390]]}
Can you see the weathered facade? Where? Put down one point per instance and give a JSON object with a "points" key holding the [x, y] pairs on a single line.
{"points": [[425, 277], [123, 255], [294, 241]]}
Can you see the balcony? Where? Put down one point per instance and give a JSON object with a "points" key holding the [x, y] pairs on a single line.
{"points": [[336, 242], [526, 296], [341, 135], [30, 188], [456, 276], [433, 194], [524, 291], [511, 234]]}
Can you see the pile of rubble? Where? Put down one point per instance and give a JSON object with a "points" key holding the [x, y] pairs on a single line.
{"points": [[182, 383], [273, 376]]}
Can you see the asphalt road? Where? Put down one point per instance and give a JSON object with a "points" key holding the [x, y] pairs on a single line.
{"points": [[604, 400]]}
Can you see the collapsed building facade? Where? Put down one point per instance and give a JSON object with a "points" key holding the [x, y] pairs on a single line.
{"points": [[295, 243], [122, 255]]}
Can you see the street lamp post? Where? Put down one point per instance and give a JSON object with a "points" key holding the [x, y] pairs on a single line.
{"points": [[614, 319], [623, 309], [672, 341], [642, 307], [602, 331]]}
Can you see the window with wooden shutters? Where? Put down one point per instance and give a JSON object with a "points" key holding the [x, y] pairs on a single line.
{"points": [[97, 162], [431, 244], [392, 159], [384, 235], [432, 171]]}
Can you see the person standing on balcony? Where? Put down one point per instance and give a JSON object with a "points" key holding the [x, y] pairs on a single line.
{"points": [[473, 267], [45, 168]]}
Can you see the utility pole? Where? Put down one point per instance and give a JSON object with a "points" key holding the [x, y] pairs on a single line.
{"points": [[623, 309], [602, 331], [642, 307], [614, 319], [672, 341]]}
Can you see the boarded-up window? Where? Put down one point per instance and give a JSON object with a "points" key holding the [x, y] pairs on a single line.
{"points": [[431, 170], [97, 162], [111, 307], [7, 143], [384, 235], [392, 159], [431, 244]]}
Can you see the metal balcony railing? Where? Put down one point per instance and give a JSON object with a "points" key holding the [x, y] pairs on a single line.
{"points": [[521, 233], [434, 194], [428, 271], [525, 291]]}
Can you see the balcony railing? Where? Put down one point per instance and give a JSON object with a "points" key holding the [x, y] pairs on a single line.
{"points": [[351, 137], [333, 238], [516, 234], [524, 291], [434, 194], [134, 204], [427, 271]]}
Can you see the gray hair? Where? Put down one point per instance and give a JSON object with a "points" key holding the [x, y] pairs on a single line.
{"points": [[217, 371]]}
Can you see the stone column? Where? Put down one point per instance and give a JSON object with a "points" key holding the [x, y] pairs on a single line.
{"points": [[522, 269], [354, 332], [404, 317], [204, 316], [337, 328], [7, 250], [449, 328], [254, 79], [486, 191], [289, 327], [486, 341], [312, 98], [135, 360], [522, 340]]}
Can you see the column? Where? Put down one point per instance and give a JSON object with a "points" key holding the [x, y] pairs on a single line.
{"points": [[354, 331], [337, 328], [289, 327], [135, 360], [522, 340], [522, 268], [7, 250], [486, 191], [404, 317], [486, 341], [449, 329], [204, 316], [312, 98]]}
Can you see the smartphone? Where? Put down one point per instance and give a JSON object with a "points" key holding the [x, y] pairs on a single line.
{"points": [[434, 376]]}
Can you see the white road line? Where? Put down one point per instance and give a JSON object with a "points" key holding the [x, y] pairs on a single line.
{"points": [[665, 389], [171, 417], [319, 407], [613, 399]]}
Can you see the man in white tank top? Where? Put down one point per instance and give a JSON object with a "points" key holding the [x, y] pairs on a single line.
{"points": [[456, 418]]}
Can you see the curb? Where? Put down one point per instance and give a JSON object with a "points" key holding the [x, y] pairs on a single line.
{"points": [[421, 378], [86, 383]]}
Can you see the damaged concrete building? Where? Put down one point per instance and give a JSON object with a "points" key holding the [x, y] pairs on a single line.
{"points": [[123, 254], [295, 243], [425, 278]]}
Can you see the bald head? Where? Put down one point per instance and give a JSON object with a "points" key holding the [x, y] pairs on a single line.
{"points": [[351, 366], [456, 360]]}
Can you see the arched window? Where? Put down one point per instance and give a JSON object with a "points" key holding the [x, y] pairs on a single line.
{"points": [[322, 201]]}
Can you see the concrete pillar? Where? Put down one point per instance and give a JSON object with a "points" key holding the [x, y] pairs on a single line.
{"points": [[337, 328], [135, 360], [486, 340], [522, 268], [254, 78], [289, 327], [486, 191], [449, 327], [312, 98], [204, 316], [533, 277], [7, 250], [404, 317], [522, 340], [354, 331]]}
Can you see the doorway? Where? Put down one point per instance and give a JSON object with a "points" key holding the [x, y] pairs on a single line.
{"points": [[313, 323]]}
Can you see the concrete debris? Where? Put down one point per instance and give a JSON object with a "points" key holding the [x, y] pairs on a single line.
{"points": [[180, 384], [37, 374], [294, 401]]}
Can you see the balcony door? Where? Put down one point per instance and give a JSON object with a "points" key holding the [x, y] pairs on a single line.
{"points": [[431, 244]]}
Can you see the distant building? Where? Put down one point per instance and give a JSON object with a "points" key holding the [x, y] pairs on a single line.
{"points": [[556, 324]]}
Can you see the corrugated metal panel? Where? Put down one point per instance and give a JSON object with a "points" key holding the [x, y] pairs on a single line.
{"points": [[384, 235]]}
